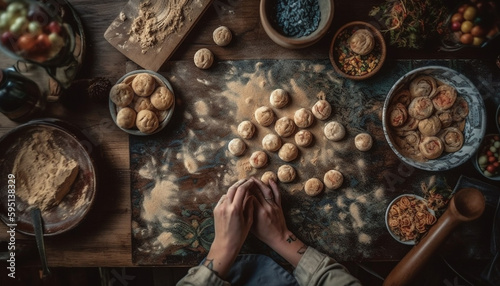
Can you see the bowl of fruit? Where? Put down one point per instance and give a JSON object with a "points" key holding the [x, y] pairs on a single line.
{"points": [[472, 24], [487, 159], [33, 32]]}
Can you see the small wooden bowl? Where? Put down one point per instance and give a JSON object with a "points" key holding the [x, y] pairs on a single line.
{"points": [[267, 18], [340, 46]]}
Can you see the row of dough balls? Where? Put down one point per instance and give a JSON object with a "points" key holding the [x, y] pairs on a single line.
{"points": [[204, 58]]}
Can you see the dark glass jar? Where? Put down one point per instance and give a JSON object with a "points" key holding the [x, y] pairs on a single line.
{"points": [[20, 97]]}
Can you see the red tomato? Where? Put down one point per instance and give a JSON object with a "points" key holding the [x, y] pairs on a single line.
{"points": [[491, 169], [492, 159], [54, 27], [42, 42], [496, 164], [26, 42]]}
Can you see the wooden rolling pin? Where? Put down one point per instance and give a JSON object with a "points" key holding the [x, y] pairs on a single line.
{"points": [[466, 205]]}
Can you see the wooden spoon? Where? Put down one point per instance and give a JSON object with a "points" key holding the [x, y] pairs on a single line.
{"points": [[466, 205]]}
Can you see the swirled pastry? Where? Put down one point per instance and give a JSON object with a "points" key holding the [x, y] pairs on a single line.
{"points": [[362, 42], [411, 124], [460, 109], [322, 109], [403, 96], [286, 173], [288, 152], [285, 127], [313, 187], [303, 118], [271, 142], [431, 147], [236, 147], [453, 139], [420, 108], [264, 116], [333, 179], [423, 85], [429, 126], [303, 138], [258, 159], [408, 145], [363, 141], [398, 115], [279, 98], [446, 117], [246, 129], [445, 97]]}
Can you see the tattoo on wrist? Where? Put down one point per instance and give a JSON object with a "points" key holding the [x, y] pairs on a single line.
{"points": [[302, 250], [291, 238], [209, 263]]}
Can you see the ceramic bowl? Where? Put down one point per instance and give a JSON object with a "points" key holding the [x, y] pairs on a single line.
{"points": [[164, 116], [473, 129], [272, 29], [497, 118], [387, 214], [482, 164], [353, 66]]}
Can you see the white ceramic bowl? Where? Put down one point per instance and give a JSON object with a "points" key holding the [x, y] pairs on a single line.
{"points": [[168, 113], [397, 238], [475, 126]]}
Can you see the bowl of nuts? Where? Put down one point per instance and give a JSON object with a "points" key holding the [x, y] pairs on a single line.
{"points": [[142, 102], [357, 51]]}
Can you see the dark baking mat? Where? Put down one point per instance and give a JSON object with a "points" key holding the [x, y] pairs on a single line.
{"points": [[179, 174]]}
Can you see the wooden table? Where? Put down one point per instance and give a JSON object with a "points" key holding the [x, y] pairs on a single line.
{"points": [[104, 238]]}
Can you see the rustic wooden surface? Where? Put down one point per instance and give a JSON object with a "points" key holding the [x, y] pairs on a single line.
{"points": [[104, 239]]}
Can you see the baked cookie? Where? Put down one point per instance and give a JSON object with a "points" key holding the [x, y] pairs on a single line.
{"points": [[236, 147], [268, 175], [143, 84], [303, 118], [258, 159], [264, 116], [222, 36], [125, 118], [303, 138], [146, 121], [279, 98], [285, 127], [362, 42], [334, 131], [121, 94], [313, 187], [203, 58], [363, 141], [162, 98], [333, 179], [271, 142], [322, 109], [142, 103], [288, 152], [246, 129], [286, 173]]}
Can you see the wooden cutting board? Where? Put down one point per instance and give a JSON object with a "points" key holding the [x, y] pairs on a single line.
{"points": [[174, 29]]}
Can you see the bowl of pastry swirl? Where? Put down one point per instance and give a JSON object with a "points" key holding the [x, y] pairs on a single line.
{"points": [[434, 118]]}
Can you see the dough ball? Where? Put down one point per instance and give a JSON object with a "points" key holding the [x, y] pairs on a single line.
{"points": [[313, 187], [303, 138], [271, 142], [258, 159], [286, 173], [288, 152], [146, 121], [143, 84], [285, 127], [246, 129], [333, 179], [268, 175], [279, 98], [121, 94], [222, 36], [303, 118], [203, 58], [363, 141], [162, 98], [142, 103], [236, 147], [322, 109], [362, 42], [264, 116], [126, 118], [334, 131]]}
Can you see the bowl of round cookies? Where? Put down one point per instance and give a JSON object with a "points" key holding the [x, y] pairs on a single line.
{"points": [[434, 118], [142, 102]]}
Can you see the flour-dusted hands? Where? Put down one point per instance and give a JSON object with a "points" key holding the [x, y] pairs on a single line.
{"points": [[233, 217]]}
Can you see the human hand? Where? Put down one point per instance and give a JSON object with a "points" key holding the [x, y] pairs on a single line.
{"points": [[270, 226], [233, 217]]}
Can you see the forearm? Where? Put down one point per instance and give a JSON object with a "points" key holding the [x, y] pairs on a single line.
{"points": [[219, 260], [289, 247]]}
